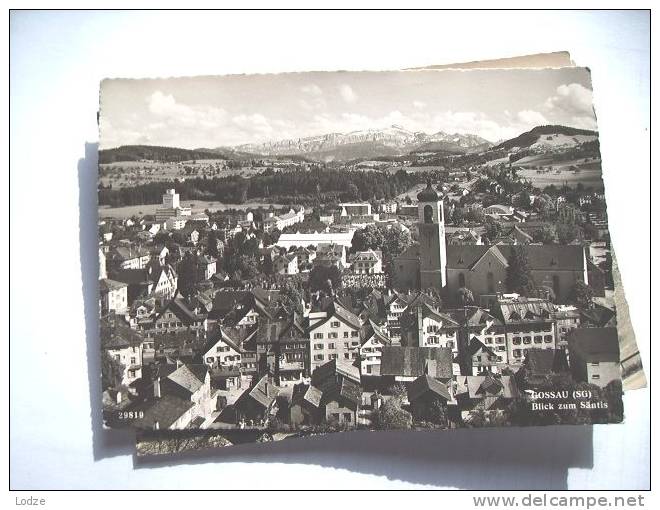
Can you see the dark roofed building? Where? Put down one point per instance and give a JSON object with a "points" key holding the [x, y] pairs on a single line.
{"points": [[408, 363], [594, 355]]}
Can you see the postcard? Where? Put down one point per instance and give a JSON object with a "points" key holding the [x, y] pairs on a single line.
{"points": [[295, 254]]}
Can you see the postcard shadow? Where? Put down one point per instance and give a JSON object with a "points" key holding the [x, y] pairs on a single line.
{"points": [[499, 458]]}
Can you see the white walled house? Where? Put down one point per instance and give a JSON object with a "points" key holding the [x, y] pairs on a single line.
{"points": [[333, 334], [373, 339]]}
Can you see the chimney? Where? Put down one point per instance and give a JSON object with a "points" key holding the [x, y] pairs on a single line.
{"points": [[157, 387]]}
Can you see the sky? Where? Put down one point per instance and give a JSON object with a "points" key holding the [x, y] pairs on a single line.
{"points": [[217, 111]]}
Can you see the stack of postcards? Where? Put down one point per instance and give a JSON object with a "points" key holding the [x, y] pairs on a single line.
{"points": [[286, 255]]}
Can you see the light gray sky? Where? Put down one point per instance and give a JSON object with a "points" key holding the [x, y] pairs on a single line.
{"points": [[231, 110]]}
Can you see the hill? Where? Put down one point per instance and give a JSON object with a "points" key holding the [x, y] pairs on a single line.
{"points": [[549, 136]]}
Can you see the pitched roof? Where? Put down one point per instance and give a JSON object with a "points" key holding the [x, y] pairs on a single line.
{"points": [[540, 257], [371, 329], [416, 361], [595, 344], [329, 370], [190, 377], [107, 285], [164, 411], [424, 384], [263, 392], [525, 310]]}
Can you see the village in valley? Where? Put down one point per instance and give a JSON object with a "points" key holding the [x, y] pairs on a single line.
{"points": [[436, 290]]}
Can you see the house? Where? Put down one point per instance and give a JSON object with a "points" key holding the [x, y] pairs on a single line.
{"points": [[594, 355], [227, 347], [334, 333], [283, 350], [568, 318], [367, 262], [187, 235], [180, 398], [175, 223], [305, 256], [206, 266], [341, 394], [489, 331], [164, 280], [389, 207], [488, 392], [355, 209], [529, 324], [405, 364], [423, 325], [464, 236], [395, 305], [498, 211], [330, 255], [428, 398], [114, 296], [159, 254], [257, 402], [483, 269], [287, 240], [305, 408], [128, 256], [180, 314], [285, 264], [123, 345], [541, 364], [372, 340], [483, 359]]}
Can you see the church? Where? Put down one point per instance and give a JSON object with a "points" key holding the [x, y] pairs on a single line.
{"points": [[431, 263]]}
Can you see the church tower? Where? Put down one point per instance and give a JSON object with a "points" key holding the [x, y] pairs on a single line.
{"points": [[432, 249]]}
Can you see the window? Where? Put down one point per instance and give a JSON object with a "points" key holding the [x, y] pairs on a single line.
{"points": [[345, 334], [318, 347], [595, 363], [346, 345], [334, 324], [318, 357], [547, 339], [318, 336], [500, 340], [428, 214], [331, 345], [595, 376], [489, 340], [132, 361], [538, 339], [450, 344], [347, 417], [516, 340], [527, 340], [333, 335], [354, 334], [517, 353], [334, 356], [346, 355]]}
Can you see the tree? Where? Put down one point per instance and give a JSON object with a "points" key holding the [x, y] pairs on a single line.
{"points": [[544, 235], [493, 229], [567, 233], [519, 273], [212, 244], [112, 371], [187, 276], [392, 416], [324, 278], [464, 296], [522, 200], [582, 295], [457, 215]]}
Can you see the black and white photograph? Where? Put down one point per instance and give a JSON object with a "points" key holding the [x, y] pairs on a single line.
{"points": [[255, 249], [295, 254]]}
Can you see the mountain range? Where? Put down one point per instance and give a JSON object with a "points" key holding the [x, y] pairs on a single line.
{"points": [[391, 141], [360, 145]]}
